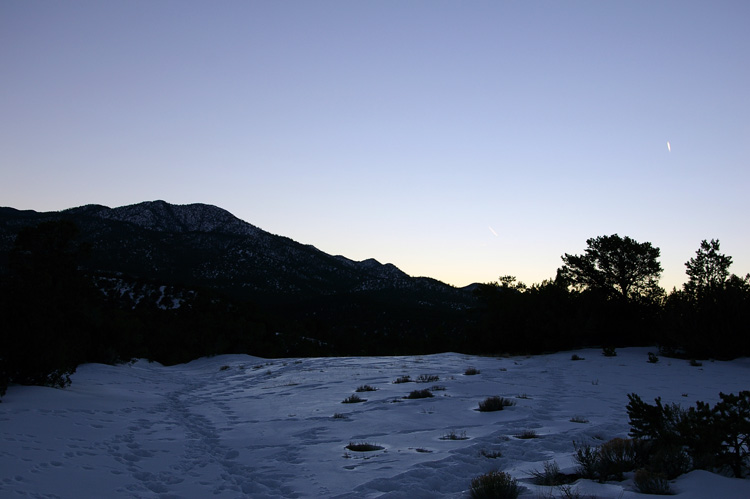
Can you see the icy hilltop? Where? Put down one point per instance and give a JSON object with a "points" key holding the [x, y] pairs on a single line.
{"points": [[240, 426]]}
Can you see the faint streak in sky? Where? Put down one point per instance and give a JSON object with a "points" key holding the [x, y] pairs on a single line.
{"points": [[493, 231], [669, 147]]}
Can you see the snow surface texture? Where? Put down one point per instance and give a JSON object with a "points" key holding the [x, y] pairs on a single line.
{"points": [[240, 426]]}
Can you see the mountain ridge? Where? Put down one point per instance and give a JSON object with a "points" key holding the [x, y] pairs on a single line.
{"points": [[204, 245]]}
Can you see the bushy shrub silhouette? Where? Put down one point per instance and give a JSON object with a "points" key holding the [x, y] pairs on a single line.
{"points": [[713, 437]]}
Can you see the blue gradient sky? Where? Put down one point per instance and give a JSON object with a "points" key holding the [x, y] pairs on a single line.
{"points": [[456, 140]]}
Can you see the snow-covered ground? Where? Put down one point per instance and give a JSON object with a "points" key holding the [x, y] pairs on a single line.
{"points": [[240, 426]]}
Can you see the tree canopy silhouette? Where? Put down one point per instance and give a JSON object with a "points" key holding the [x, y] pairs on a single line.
{"points": [[614, 265], [708, 271]]}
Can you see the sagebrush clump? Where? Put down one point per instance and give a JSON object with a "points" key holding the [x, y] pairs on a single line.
{"points": [[495, 485], [419, 394], [526, 435], [495, 403], [550, 476], [648, 482], [616, 457], [669, 441], [714, 438], [587, 458]]}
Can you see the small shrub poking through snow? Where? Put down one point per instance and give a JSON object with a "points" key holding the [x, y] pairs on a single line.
{"points": [[353, 399], [609, 352], [578, 419], [527, 435], [472, 371], [365, 388], [454, 435], [495, 403], [427, 378], [587, 458], [419, 394], [550, 476], [576, 357], [616, 457], [651, 483], [652, 358], [568, 492], [363, 447], [403, 379], [495, 485]]}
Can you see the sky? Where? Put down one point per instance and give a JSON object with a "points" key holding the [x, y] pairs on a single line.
{"points": [[456, 140]]}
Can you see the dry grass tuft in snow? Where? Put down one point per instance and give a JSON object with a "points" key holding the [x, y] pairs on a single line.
{"points": [[353, 399], [365, 388]]}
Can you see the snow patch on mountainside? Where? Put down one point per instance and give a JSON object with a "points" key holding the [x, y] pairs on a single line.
{"points": [[164, 217]]}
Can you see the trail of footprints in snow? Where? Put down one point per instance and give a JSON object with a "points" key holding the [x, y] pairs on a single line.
{"points": [[203, 449]]}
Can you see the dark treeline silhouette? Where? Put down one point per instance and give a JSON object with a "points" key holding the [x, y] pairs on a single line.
{"points": [[55, 317], [609, 297], [709, 317]]}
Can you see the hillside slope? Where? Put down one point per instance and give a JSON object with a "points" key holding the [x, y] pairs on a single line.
{"points": [[203, 245]]}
